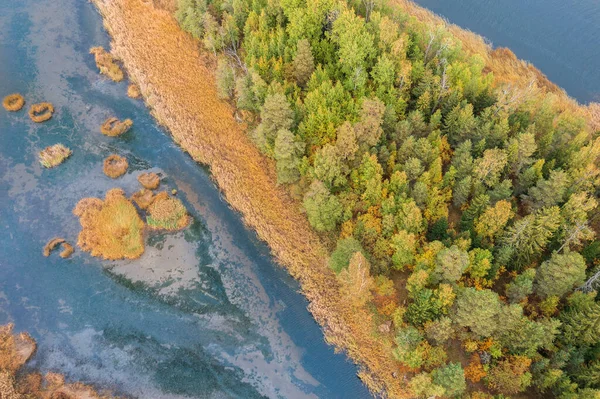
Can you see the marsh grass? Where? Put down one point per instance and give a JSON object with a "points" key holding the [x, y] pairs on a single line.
{"points": [[115, 166], [13, 102], [167, 213], [55, 242], [54, 155], [114, 127], [143, 198], [111, 229], [41, 112], [106, 64], [133, 91], [150, 180]]}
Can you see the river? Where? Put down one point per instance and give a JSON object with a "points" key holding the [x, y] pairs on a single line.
{"points": [[559, 37], [204, 313]]}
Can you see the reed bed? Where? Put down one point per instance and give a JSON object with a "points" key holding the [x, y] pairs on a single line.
{"points": [[167, 213], [111, 229], [178, 84], [41, 112], [55, 242], [107, 64], [54, 155], [149, 180], [143, 198], [115, 166], [114, 127], [13, 102]]}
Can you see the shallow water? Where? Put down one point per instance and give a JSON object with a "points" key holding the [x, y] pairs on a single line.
{"points": [[559, 37], [204, 312]]}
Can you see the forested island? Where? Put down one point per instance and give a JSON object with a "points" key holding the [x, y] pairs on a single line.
{"points": [[450, 189]]}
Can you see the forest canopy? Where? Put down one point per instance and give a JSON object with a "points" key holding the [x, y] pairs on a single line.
{"points": [[472, 205]]}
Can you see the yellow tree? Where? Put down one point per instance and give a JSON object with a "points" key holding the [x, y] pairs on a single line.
{"points": [[493, 220], [356, 280]]}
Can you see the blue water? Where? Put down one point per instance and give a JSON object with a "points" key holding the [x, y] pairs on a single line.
{"points": [[204, 313], [559, 37]]}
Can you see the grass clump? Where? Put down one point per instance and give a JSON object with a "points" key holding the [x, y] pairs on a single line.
{"points": [[106, 63], [54, 155], [55, 242], [133, 91], [143, 198], [41, 112], [111, 229], [115, 166], [150, 180], [167, 213], [13, 102], [114, 127]]}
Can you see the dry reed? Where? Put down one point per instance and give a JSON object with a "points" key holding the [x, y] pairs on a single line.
{"points": [[143, 198], [106, 64], [179, 87], [167, 213], [114, 127], [54, 155], [111, 229], [41, 112], [13, 102], [115, 166], [133, 91], [150, 180]]}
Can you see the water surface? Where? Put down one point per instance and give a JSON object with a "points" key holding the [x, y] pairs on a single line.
{"points": [[204, 313], [559, 37]]}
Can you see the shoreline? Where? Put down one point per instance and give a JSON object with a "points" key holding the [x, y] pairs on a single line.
{"points": [[178, 87]]}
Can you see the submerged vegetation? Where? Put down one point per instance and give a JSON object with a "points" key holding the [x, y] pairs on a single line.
{"points": [[111, 229], [166, 213], [107, 64], [55, 242], [115, 166], [41, 112], [17, 383], [13, 102], [54, 155], [114, 127]]}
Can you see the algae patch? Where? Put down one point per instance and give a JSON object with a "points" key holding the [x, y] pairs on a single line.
{"points": [[13, 102], [111, 229], [54, 155]]}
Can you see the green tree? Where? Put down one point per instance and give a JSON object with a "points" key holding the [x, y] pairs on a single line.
{"points": [[560, 274], [323, 208], [345, 248], [549, 192], [275, 115], [450, 264], [304, 63], [439, 331], [190, 15], [521, 286], [581, 320], [287, 152], [422, 387], [478, 310], [225, 79], [404, 247], [451, 377]]}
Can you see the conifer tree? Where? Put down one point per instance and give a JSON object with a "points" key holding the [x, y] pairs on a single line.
{"points": [[304, 63]]}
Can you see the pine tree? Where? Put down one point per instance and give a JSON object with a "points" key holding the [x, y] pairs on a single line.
{"points": [[560, 274], [287, 153], [478, 310], [304, 63]]}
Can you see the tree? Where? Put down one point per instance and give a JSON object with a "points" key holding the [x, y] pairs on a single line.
{"points": [[451, 377], [450, 264], [304, 63], [345, 143], [190, 15], [460, 124], [404, 246], [225, 79], [510, 376], [422, 387], [560, 274], [368, 129], [275, 115], [287, 153], [521, 286], [581, 320], [328, 167], [478, 310], [493, 220], [356, 280], [323, 208], [439, 331], [548, 192], [488, 168], [345, 248]]}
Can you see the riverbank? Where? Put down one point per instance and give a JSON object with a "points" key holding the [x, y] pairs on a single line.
{"points": [[178, 85]]}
